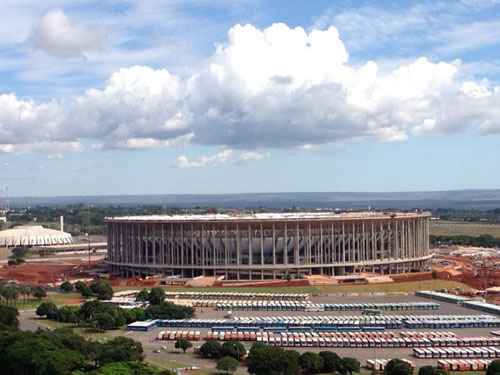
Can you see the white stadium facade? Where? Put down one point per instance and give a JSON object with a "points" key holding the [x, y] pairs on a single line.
{"points": [[268, 245]]}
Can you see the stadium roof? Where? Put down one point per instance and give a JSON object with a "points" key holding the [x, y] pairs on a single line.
{"points": [[33, 235], [271, 216]]}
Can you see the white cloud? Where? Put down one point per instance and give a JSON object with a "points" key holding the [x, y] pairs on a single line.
{"points": [[264, 88], [138, 102], [226, 156], [57, 35], [24, 121]]}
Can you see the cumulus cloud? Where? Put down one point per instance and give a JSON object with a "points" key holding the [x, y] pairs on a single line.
{"points": [[24, 121], [227, 156], [264, 88], [57, 35]]}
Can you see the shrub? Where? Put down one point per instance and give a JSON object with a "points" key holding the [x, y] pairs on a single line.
{"points": [[227, 365], [68, 314], [493, 368], [47, 309], [120, 349], [350, 365], [102, 289], [39, 292], [168, 310], [8, 317], [234, 349], [142, 296], [427, 370], [311, 363], [66, 287], [263, 359], [397, 367], [211, 349], [156, 296], [331, 361], [79, 285], [183, 345]]}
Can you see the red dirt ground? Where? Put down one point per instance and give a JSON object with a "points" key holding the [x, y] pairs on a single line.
{"points": [[46, 272]]}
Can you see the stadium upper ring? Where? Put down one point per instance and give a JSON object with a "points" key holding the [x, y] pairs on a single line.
{"points": [[269, 245]]}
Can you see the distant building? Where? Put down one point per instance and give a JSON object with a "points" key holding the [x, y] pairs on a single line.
{"points": [[33, 235], [269, 245]]}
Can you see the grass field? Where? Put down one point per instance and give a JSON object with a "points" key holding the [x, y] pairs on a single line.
{"points": [[404, 287], [56, 297], [453, 228]]}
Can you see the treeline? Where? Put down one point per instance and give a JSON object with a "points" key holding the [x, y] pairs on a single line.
{"points": [[265, 359], [79, 219], [105, 316], [468, 215], [62, 352], [12, 293], [484, 240]]}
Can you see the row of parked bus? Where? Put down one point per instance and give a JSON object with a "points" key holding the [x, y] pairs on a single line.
{"points": [[332, 323], [379, 364], [322, 339], [463, 364], [179, 335], [453, 322], [423, 334], [386, 335], [478, 352], [259, 305], [237, 296]]}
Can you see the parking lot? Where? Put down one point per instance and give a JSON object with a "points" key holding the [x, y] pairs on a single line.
{"points": [[150, 342]]}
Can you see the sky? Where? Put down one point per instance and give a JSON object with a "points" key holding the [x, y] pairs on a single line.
{"points": [[235, 96]]}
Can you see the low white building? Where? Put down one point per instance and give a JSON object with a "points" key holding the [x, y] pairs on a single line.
{"points": [[33, 235]]}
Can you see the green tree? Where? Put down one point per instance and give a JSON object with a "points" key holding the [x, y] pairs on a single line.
{"points": [[493, 368], [39, 292], [104, 321], [269, 360], [427, 370], [211, 349], [311, 363], [233, 349], [68, 314], [156, 296], [134, 315], [397, 367], [168, 310], [183, 345], [66, 287], [142, 296], [227, 365], [48, 309], [79, 285], [102, 289], [86, 292], [350, 365], [9, 293], [119, 349], [25, 291], [8, 317], [128, 368], [37, 353], [331, 361]]}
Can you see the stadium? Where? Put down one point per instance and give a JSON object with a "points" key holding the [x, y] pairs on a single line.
{"points": [[268, 245]]}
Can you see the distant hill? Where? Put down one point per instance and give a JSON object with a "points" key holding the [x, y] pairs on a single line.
{"points": [[480, 199]]}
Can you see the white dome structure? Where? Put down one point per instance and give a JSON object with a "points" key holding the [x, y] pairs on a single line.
{"points": [[33, 235]]}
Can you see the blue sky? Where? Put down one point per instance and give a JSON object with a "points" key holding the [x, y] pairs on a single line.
{"points": [[138, 97]]}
